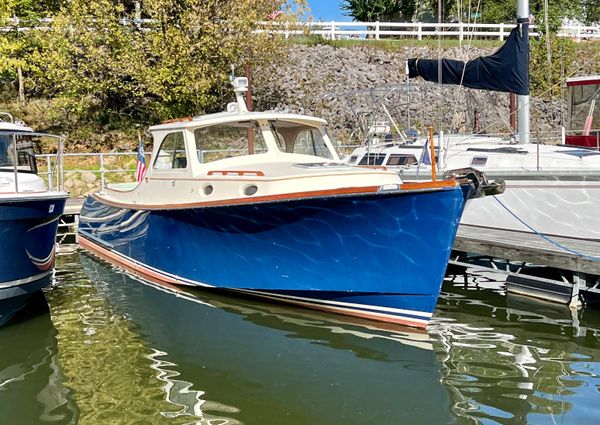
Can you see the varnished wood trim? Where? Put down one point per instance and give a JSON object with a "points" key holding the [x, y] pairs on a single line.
{"points": [[428, 185], [236, 173], [241, 201]]}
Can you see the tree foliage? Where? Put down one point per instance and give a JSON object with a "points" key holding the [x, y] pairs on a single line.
{"points": [[371, 10], [100, 63], [488, 11]]}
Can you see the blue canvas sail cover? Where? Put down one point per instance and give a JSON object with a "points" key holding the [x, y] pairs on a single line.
{"points": [[507, 70]]}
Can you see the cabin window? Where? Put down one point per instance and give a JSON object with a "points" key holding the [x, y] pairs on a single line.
{"points": [[301, 139], [25, 155], [171, 154], [229, 140], [311, 142], [372, 159], [479, 161], [396, 159]]}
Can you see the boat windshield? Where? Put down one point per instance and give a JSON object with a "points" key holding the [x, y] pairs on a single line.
{"points": [[17, 150], [299, 138], [228, 140], [585, 111]]}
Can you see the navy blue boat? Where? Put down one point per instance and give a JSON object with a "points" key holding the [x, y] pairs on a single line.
{"points": [[29, 214], [289, 223]]}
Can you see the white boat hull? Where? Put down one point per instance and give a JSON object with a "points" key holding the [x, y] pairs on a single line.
{"points": [[551, 207]]}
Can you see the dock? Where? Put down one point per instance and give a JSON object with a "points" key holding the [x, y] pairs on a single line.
{"points": [[73, 206], [576, 262]]}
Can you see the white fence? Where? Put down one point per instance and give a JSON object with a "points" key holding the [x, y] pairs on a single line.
{"points": [[377, 30], [335, 30]]}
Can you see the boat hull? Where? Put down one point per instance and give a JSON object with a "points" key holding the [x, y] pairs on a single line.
{"points": [[28, 228], [380, 256], [551, 206]]}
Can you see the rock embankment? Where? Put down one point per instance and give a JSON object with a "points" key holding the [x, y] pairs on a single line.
{"points": [[349, 86]]}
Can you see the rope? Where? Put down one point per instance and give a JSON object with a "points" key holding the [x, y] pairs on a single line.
{"points": [[546, 238]]}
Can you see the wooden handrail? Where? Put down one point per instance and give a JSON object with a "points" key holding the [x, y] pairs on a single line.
{"points": [[236, 173]]}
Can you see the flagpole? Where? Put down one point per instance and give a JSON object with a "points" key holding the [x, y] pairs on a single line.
{"points": [[523, 113], [431, 147]]}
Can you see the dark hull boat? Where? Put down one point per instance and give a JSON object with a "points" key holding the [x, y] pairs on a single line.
{"points": [[29, 214], [289, 223]]}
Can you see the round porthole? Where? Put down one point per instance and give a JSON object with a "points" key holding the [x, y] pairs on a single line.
{"points": [[208, 189], [250, 190]]}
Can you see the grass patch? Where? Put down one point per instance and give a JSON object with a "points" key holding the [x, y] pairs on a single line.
{"points": [[394, 44]]}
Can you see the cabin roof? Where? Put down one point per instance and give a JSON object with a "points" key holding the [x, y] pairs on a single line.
{"points": [[583, 81], [14, 128], [232, 117]]}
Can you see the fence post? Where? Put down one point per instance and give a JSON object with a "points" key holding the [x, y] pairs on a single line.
{"points": [[101, 172], [332, 30], [502, 31], [578, 34], [420, 31], [287, 30], [377, 30]]}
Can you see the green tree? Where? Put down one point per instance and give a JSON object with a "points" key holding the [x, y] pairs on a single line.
{"points": [[104, 70], [16, 46], [371, 10], [592, 11]]}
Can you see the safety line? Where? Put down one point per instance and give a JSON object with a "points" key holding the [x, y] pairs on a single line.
{"points": [[543, 236]]}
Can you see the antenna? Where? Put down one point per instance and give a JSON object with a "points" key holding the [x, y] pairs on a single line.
{"points": [[232, 75]]}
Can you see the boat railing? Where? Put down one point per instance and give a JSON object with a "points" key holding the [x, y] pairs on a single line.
{"points": [[97, 169], [6, 114]]}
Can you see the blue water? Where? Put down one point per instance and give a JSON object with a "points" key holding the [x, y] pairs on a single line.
{"points": [[101, 347]]}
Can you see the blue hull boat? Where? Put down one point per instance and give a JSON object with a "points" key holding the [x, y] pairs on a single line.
{"points": [[283, 218], [28, 232], [380, 256], [29, 213]]}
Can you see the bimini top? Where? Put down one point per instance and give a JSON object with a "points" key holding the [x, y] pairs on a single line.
{"points": [[232, 117]]}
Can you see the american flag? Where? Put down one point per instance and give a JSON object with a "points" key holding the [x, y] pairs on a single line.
{"points": [[140, 169]]}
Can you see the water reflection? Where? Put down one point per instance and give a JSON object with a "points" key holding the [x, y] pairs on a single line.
{"points": [[106, 348], [241, 361], [513, 360], [31, 383]]}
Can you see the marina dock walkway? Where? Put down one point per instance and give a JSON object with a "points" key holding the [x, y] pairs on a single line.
{"points": [[563, 253]]}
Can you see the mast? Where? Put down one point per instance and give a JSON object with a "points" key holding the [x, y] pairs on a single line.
{"points": [[523, 114]]}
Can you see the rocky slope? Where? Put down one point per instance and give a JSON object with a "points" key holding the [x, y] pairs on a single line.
{"points": [[348, 86]]}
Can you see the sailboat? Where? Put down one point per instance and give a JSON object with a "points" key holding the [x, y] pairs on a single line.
{"points": [[551, 190]]}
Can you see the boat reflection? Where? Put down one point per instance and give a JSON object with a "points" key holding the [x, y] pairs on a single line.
{"points": [[509, 359], [31, 382], [238, 360]]}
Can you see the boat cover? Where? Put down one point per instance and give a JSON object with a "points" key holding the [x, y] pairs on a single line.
{"points": [[507, 70]]}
